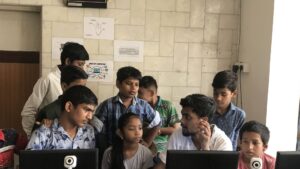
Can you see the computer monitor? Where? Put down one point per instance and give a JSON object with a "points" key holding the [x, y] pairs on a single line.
{"points": [[59, 159], [193, 159], [287, 160]]}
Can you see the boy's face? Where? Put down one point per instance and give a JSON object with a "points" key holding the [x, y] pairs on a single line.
{"points": [[81, 114], [146, 94], [223, 97], [128, 88], [77, 82], [78, 63], [190, 122], [133, 131], [252, 145]]}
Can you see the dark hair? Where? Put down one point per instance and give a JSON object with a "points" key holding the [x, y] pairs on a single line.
{"points": [[117, 156], [73, 51], [225, 79], [147, 82], [78, 95], [71, 73], [256, 127], [127, 72], [202, 105]]}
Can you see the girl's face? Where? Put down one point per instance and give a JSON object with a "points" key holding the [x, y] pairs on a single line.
{"points": [[133, 131]]}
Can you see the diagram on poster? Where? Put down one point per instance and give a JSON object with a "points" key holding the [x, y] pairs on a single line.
{"points": [[128, 51], [99, 28], [99, 70], [58, 44]]}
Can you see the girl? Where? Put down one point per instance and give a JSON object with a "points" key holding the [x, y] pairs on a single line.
{"points": [[126, 152]]}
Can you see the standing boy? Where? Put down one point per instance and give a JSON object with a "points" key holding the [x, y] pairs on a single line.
{"points": [[48, 88], [70, 130], [110, 110], [254, 138], [227, 117], [168, 114]]}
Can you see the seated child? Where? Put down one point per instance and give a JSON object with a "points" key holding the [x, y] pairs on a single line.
{"points": [[228, 117], [254, 138], [70, 130], [127, 152]]}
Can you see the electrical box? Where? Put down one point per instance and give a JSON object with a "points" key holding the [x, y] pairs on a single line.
{"points": [[241, 66], [87, 3]]}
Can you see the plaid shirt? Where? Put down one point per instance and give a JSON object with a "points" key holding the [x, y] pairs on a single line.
{"points": [[111, 109], [231, 122]]}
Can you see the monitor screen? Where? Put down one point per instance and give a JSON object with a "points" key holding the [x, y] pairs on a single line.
{"points": [[288, 160], [193, 159], [59, 159]]}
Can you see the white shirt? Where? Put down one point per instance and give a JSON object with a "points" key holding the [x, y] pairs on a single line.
{"points": [[219, 142], [46, 90]]}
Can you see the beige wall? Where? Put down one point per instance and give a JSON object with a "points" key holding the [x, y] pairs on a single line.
{"points": [[20, 30], [186, 41], [255, 48]]}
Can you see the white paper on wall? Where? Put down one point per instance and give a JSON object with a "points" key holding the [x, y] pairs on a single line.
{"points": [[58, 43], [99, 28], [101, 71], [128, 51]]}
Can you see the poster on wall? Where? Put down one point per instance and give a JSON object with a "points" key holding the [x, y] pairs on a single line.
{"points": [[101, 71], [128, 51], [58, 44], [99, 28]]}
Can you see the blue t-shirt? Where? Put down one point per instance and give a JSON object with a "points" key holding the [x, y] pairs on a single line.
{"points": [[230, 122]]}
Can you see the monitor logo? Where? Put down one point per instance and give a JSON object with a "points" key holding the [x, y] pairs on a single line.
{"points": [[70, 162], [256, 163]]}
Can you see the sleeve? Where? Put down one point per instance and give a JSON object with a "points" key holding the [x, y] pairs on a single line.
{"points": [[148, 159], [240, 123], [151, 116], [106, 160], [33, 103], [173, 115], [102, 114], [223, 143], [36, 141]]}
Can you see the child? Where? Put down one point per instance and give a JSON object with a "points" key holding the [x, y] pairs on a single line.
{"points": [[254, 138], [168, 113], [228, 117], [48, 88], [110, 110], [126, 152]]}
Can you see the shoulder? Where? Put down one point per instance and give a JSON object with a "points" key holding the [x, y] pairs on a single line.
{"points": [[88, 129], [219, 140], [177, 137], [145, 150], [269, 159], [240, 112]]}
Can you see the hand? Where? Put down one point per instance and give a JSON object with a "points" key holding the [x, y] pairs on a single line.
{"points": [[204, 134]]}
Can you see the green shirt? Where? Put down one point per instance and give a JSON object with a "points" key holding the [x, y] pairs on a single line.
{"points": [[169, 117]]}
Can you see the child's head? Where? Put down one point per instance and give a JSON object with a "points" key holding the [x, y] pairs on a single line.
{"points": [[128, 79], [130, 128], [225, 86], [148, 88], [254, 138], [78, 104], [72, 76], [195, 109], [73, 54]]}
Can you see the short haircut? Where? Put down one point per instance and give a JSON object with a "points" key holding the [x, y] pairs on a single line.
{"points": [[202, 105], [148, 82], [128, 72], [73, 51], [225, 79], [78, 95], [72, 73], [256, 127]]}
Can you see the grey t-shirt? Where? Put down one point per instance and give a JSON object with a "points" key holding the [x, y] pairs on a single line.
{"points": [[141, 160]]}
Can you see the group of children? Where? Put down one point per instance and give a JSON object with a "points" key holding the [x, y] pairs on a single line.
{"points": [[135, 128]]}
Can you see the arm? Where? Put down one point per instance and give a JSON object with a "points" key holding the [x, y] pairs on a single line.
{"points": [[173, 121], [154, 118], [33, 103], [169, 130], [36, 141], [240, 123], [151, 135]]}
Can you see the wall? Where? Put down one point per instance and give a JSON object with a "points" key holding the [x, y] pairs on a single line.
{"points": [[20, 30], [186, 41], [255, 48]]}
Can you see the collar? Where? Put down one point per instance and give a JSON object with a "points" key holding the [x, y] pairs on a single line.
{"points": [[61, 130], [231, 108], [118, 99]]}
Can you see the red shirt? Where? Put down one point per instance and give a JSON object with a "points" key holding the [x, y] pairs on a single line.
{"points": [[267, 160]]}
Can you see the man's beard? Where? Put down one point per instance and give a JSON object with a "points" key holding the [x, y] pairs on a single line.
{"points": [[185, 132]]}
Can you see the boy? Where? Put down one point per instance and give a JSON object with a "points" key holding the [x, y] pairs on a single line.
{"points": [[71, 130], [254, 138], [168, 114], [48, 88], [196, 132], [228, 117], [110, 110]]}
